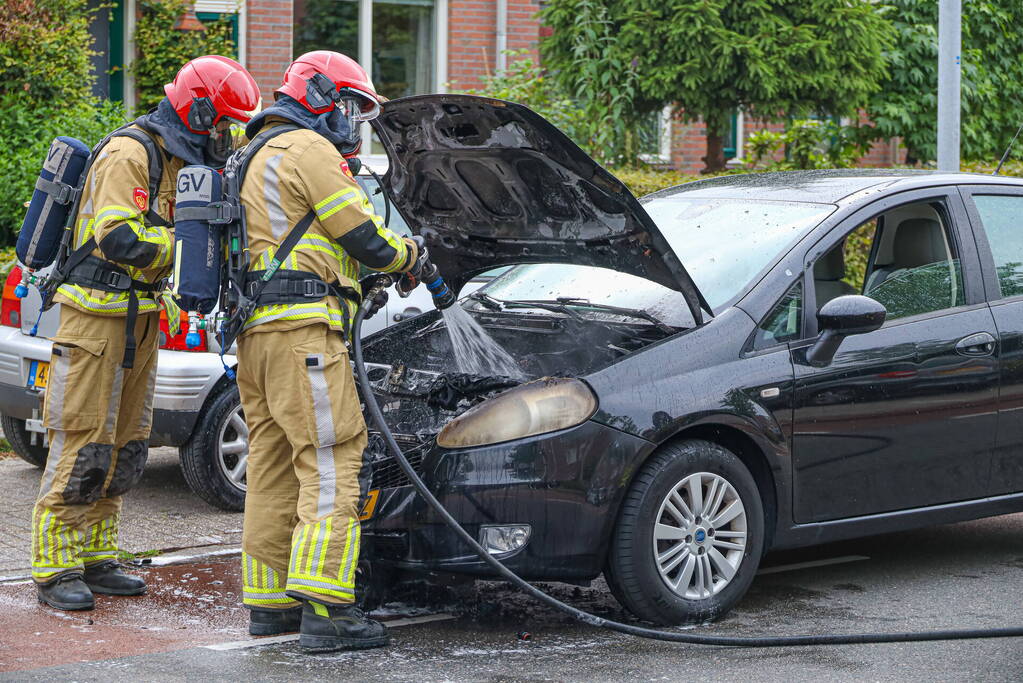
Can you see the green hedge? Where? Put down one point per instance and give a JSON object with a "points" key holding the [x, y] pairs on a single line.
{"points": [[28, 134]]}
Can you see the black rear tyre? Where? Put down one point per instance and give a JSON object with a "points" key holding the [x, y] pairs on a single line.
{"points": [[689, 536], [210, 470], [21, 441]]}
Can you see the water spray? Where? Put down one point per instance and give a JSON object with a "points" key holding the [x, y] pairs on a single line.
{"points": [[503, 572]]}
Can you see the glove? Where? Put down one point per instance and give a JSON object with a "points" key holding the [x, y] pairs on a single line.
{"points": [[173, 311], [410, 280], [379, 300], [422, 255]]}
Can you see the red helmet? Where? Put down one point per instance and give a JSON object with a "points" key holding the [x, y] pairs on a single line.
{"points": [[209, 88], [321, 79]]}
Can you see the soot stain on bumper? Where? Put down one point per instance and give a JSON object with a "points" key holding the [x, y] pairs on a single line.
{"points": [[566, 485]]}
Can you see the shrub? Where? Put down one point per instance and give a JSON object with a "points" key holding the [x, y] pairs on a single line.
{"points": [[45, 47], [28, 134], [163, 50], [807, 143], [526, 83]]}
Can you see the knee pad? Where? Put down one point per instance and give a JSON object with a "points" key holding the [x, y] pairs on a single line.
{"points": [[92, 463], [131, 461]]}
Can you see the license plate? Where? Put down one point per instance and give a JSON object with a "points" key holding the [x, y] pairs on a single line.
{"points": [[371, 505], [38, 374]]}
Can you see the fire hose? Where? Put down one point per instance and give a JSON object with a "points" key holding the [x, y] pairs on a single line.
{"points": [[593, 620]]}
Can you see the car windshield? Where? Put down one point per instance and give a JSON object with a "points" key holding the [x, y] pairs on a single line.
{"points": [[723, 243]]}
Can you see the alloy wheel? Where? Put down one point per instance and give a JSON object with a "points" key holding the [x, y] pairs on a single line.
{"points": [[699, 535], [233, 448]]}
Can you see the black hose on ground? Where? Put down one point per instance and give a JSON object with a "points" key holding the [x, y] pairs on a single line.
{"points": [[592, 619]]}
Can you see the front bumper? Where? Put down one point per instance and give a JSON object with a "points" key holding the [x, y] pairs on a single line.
{"points": [[566, 485], [183, 382]]}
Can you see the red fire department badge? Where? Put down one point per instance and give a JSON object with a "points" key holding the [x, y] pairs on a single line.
{"points": [[141, 197], [344, 168]]}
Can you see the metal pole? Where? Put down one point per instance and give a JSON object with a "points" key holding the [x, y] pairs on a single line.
{"points": [[502, 35], [366, 60], [949, 70]]}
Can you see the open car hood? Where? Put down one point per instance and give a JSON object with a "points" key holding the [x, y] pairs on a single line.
{"points": [[490, 183]]}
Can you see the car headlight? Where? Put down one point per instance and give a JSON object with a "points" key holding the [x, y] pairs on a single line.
{"points": [[538, 407]]}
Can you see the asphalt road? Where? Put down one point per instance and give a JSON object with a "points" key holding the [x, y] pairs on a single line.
{"points": [[959, 576]]}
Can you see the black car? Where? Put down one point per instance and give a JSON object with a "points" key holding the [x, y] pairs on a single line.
{"points": [[727, 367]]}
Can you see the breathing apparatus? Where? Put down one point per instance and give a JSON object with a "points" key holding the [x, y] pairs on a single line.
{"points": [[377, 416]]}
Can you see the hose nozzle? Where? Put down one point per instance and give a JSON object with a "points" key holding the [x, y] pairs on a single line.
{"points": [[442, 295]]}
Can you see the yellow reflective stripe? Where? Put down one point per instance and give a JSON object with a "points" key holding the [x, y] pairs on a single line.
{"points": [[330, 212], [317, 584], [314, 536], [85, 231], [108, 213], [322, 559], [353, 192], [112, 303]]}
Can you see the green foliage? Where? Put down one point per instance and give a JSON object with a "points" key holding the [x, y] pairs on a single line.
{"points": [[807, 143], [992, 78], [988, 166], [770, 57], [45, 48], [592, 63], [28, 134], [644, 181], [525, 82], [45, 90], [163, 50]]}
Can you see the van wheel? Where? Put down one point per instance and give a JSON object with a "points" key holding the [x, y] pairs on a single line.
{"points": [[21, 441], [689, 537], [214, 458]]}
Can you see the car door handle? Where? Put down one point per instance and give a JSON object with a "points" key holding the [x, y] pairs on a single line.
{"points": [[978, 344]]}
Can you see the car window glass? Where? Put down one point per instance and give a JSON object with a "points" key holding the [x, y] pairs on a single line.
{"points": [[783, 323], [725, 243], [372, 189], [915, 270], [1002, 218]]}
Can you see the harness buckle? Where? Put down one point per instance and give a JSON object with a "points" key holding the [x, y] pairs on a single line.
{"points": [[119, 281], [315, 289], [223, 213]]}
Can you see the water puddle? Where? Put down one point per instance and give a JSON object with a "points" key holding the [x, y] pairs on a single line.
{"points": [[475, 351]]}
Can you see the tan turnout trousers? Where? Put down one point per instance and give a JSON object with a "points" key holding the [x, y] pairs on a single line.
{"points": [[98, 417], [307, 435]]}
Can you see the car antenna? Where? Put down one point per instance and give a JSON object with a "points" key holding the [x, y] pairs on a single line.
{"points": [[1007, 150]]}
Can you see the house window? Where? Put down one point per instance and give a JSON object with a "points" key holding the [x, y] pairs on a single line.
{"points": [[403, 39]]}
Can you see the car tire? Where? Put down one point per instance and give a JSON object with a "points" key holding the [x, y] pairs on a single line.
{"points": [[660, 550], [21, 441], [214, 458]]}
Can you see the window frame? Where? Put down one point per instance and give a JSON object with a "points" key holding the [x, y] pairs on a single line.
{"points": [[960, 234], [992, 287], [757, 345]]}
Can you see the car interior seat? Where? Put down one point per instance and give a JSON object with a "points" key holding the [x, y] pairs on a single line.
{"points": [[827, 276], [918, 242]]}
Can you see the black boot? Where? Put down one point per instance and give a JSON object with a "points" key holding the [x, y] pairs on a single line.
{"points": [[108, 579], [67, 591], [274, 622], [326, 628]]}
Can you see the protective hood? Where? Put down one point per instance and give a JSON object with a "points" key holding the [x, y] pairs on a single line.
{"points": [[177, 139], [490, 183], [330, 125]]}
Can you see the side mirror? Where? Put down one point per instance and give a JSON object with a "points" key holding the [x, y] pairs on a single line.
{"points": [[839, 318]]}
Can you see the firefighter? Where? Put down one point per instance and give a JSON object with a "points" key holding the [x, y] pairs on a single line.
{"points": [[99, 402], [301, 532]]}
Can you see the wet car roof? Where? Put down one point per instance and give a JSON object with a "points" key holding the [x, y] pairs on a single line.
{"points": [[828, 186]]}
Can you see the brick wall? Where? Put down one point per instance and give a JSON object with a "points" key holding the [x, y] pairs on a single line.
{"points": [[689, 145], [472, 37], [269, 42]]}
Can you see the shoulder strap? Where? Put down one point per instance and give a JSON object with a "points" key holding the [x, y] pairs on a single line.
{"points": [[247, 153], [155, 166]]}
